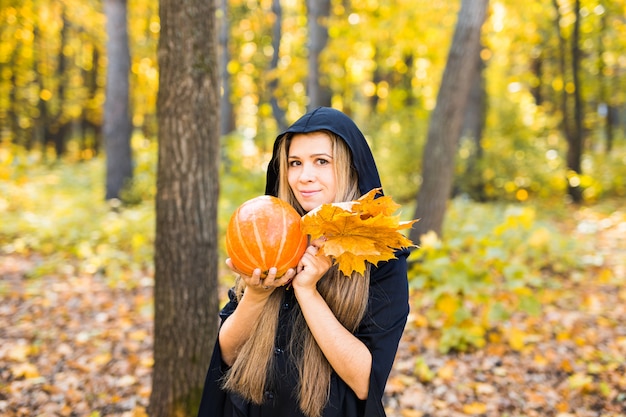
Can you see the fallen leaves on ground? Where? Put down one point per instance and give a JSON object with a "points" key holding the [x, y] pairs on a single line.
{"points": [[73, 346], [570, 361], [82, 346]]}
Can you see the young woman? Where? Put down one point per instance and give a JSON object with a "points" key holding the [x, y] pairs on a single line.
{"points": [[324, 345]]}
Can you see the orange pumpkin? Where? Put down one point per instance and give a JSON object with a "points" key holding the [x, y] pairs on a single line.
{"points": [[265, 232]]}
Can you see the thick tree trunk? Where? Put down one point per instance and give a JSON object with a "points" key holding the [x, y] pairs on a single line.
{"points": [[186, 247], [447, 118], [117, 126], [318, 12]]}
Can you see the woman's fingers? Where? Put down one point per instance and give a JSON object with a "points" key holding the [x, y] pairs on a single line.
{"points": [[267, 282], [312, 250], [229, 263], [318, 243], [273, 281]]}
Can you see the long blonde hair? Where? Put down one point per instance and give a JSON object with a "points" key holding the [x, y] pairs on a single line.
{"points": [[347, 297]]}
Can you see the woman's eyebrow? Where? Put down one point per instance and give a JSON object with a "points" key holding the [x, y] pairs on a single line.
{"points": [[314, 155]]}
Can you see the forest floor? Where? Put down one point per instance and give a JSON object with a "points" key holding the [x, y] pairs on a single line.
{"points": [[569, 361], [80, 345]]}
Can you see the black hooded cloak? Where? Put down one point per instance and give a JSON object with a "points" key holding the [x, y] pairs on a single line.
{"points": [[380, 329]]}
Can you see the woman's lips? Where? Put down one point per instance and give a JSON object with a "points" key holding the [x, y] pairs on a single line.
{"points": [[307, 194]]}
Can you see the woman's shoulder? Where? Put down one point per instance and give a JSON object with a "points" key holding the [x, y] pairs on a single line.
{"points": [[396, 266]]}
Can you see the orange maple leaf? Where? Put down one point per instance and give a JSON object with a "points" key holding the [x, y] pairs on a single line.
{"points": [[360, 231]]}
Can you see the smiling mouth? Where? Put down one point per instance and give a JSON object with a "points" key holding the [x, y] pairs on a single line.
{"points": [[308, 193]]}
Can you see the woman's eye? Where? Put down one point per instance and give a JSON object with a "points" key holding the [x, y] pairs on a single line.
{"points": [[294, 163], [322, 161]]}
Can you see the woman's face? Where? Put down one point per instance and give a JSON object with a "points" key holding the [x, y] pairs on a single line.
{"points": [[311, 172]]}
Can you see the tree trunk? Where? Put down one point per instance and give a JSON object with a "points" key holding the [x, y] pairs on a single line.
{"points": [[90, 126], [377, 78], [536, 67], [57, 128], [611, 120], [317, 12], [227, 124], [472, 130], [117, 125], [603, 81], [447, 118], [565, 125], [279, 113], [37, 136], [186, 247], [571, 113], [407, 79], [576, 140]]}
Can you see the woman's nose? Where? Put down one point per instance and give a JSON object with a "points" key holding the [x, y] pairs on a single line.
{"points": [[307, 174]]}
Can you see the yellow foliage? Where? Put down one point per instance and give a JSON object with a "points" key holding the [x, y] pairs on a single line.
{"points": [[581, 381], [540, 238], [605, 276], [516, 338], [523, 218], [566, 366], [409, 412], [540, 360], [139, 412], [422, 371], [447, 371], [477, 333], [19, 353], [430, 240], [475, 408], [447, 304], [102, 359], [25, 370], [419, 320]]}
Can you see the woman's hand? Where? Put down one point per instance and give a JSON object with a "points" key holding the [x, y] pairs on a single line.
{"points": [[257, 284], [312, 266]]}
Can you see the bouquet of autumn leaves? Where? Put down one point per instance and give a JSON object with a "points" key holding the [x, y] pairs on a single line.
{"points": [[360, 231]]}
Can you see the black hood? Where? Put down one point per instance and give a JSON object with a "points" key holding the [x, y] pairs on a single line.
{"points": [[325, 118]]}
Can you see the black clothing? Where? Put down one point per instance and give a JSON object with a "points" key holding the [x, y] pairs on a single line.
{"points": [[380, 330]]}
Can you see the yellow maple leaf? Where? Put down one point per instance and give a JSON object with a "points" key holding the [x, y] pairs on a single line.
{"points": [[368, 203], [360, 231], [475, 408]]}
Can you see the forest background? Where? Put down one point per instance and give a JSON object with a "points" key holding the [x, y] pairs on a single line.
{"points": [[527, 274]]}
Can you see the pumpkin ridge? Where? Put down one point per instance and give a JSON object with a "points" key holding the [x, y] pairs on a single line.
{"points": [[243, 244], [260, 243], [283, 238], [297, 252]]}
